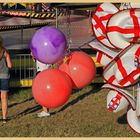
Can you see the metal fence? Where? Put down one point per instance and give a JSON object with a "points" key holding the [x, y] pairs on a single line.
{"points": [[75, 25], [23, 70]]}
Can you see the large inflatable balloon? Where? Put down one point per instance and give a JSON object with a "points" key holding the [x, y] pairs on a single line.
{"points": [[117, 42], [80, 67], [52, 88], [48, 45]]}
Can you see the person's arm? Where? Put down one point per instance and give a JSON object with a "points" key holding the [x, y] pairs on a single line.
{"points": [[8, 59]]}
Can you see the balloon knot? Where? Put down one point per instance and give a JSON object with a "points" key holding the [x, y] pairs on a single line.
{"points": [[66, 59]]}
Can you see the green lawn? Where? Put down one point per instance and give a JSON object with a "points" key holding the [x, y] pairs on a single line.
{"points": [[84, 115]]}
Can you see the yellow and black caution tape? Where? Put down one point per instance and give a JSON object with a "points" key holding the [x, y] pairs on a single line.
{"points": [[32, 15], [16, 27]]}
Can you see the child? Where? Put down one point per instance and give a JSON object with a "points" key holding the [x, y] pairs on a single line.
{"points": [[40, 67]]}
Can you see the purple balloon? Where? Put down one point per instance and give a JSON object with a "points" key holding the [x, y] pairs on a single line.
{"points": [[48, 45]]}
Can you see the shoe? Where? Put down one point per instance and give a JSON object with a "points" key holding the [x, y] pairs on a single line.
{"points": [[43, 114], [4, 120]]}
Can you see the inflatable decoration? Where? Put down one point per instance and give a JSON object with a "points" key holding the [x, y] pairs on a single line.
{"points": [[48, 45], [116, 101], [129, 5], [99, 22], [80, 67], [52, 88], [117, 42], [122, 32]]}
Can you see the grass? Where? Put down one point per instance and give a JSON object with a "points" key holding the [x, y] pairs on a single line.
{"points": [[84, 115]]}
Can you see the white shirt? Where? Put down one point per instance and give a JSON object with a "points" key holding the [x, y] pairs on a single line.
{"points": [[41, 66]]}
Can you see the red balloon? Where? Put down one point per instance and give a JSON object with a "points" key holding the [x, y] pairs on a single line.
{"points": [[80, 67], [52, 88]]}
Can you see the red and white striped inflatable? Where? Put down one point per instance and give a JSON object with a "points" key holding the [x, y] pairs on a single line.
{"points": [[117, 43], [100, 47], [122, 71], [133, 120], [104, 55], [102, 58], [129, 5], [99, 21], [116, 101], [123, 28], [130, 98], [138, 103]]}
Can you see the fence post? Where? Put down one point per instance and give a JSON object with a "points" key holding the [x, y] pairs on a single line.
{"points": [[56, 16]]}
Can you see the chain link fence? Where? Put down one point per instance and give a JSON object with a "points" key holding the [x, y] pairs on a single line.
{"points": [[77, 27]]}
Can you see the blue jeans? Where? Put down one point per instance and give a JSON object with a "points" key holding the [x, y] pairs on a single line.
{"points": [[4, 84]]}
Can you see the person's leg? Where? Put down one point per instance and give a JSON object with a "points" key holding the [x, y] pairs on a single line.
{"points": [[44, 113], [4, 102], [45, 109], [4, 97]]}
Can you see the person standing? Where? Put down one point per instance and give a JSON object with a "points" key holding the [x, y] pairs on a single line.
{"points": [[5, 65], [40, 67]]}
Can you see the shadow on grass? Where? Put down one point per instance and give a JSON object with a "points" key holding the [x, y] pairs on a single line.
{"points": [[11, 105], [95, 88], [26, 111], [14, 91], [122, 119]]}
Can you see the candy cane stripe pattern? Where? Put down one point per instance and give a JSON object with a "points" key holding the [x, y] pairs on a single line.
{"points": [[116, 101], [99, 21], [102, 58], [124, 93], [121, 73], [100, 47], [123, 28], [117, 43]]}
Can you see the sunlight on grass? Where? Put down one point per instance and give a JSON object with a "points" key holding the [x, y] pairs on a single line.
{"points": [[83, 115]]}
